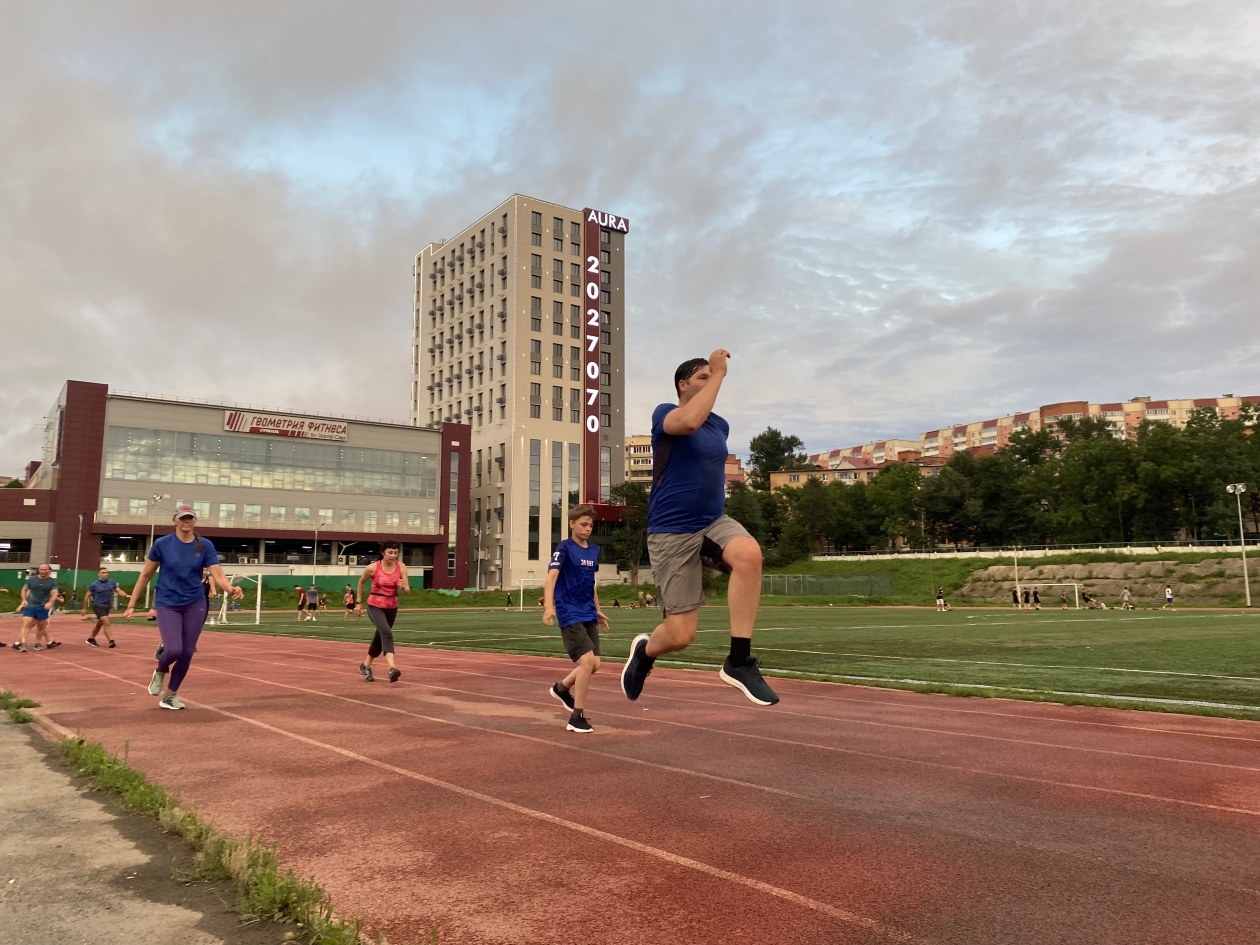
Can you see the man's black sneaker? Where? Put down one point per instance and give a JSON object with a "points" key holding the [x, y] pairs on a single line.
{"points": [[92, 642], [578, 723], [112, 644], [394, 673], [157, 654], [559, 692], [53, 644], [747, 679], [366, 672], [637, 667]]}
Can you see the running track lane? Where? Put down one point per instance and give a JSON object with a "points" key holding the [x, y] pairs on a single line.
{"points": [[844, 814]]}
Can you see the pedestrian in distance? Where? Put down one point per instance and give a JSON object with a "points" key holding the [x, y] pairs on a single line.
{"points": [[1036, 599], [312, 602], [388, 576], [1126, 600], [616, 604], [1015, 597], [180, 601], [39, 597], [1168, 598], [687, 528], [348, 599], [74, 601], [301, 602], [941, 603], [1027, 605], [572, 600], [102, 593]]}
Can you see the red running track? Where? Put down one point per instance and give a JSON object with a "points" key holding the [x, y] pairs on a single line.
{"points": [[456, 799]]}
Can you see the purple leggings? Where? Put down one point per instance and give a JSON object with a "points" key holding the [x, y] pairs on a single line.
{"points": [[180, 627]]}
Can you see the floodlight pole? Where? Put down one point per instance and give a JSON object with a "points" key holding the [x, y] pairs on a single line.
{"points": [[79, 542], [1237, 489], [258, 602]]}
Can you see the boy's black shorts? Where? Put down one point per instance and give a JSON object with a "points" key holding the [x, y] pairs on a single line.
{"points": [[580, 638]]}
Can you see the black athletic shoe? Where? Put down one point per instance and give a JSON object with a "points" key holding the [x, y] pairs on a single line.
{"points": [[53, 644], [366, 672], [92, 642], [112, 644], [394, 673], [578, 723], [157, 654], [559, 692], [637, 667], [747, 679]]}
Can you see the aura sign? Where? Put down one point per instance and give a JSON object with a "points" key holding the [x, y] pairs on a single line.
{"points": [[592, 295]]}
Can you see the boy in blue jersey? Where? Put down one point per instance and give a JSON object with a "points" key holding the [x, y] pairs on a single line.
{"points": [[687, 529], [570, 598]]}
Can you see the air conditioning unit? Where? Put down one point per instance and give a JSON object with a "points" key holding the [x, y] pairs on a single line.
{"points": [[450, 263], [500, 357], [459, 297], [501, 273], [431, 349], [469, 331], [480, 285], [477, 408], [341, 559], [433, 276], [242, 559], [481, 244], [468, 412], [352, 560], [500, 401], [253, 560], [503, 231], [480, 325], [468, 371], [459, 258]]}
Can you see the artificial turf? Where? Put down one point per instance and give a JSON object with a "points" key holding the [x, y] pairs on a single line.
{"points": [[1066, 656]]}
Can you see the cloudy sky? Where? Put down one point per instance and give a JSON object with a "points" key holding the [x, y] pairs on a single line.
{"points": [[896, 214]]}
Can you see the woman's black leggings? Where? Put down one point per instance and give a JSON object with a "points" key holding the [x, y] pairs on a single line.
{"points": [[383, 620]]}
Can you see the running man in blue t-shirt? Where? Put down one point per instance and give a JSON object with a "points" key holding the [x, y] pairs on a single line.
{"points": [[101, 593], [687, 529], [180, 601], [39, 597], [572, 600]]}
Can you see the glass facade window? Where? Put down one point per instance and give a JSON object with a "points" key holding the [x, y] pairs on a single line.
{"points": [[391, 521], [109, 506], [168, 456], [575, 472], [535, 496], [557, 493], [325, 517], [415, 519], [301, 514], [347, 517], [452, 518], [202, 510], [369, 521], [227, 514], [137, 506], [605, 473], [277, 513], [253, 516]]}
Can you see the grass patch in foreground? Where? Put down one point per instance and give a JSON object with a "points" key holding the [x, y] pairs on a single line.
{"points": [[15, 707], [264, 890]]}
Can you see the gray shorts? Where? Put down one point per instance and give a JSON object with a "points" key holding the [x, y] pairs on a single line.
{"points": [[580, 639], [676, 565]]}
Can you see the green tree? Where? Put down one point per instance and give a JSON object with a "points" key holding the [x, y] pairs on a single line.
{"points": [[630, 540], [895, 503], [770, 451], [743, 505]]}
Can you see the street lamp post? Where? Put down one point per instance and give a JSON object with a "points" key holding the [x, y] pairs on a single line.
{"points": [[154, 499], [78, 543], [1236, 490], [315, 555]]}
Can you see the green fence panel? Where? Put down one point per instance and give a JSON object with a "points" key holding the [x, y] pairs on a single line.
{"points": [[827, 585]]}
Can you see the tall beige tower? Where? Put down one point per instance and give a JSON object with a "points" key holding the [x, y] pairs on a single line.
{"points": [[520, 332]]}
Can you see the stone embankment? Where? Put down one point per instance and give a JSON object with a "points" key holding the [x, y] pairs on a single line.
{"points": [[1212, 581]]}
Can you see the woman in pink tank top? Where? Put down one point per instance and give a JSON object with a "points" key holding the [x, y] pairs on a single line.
{"points": [[388, 576]]}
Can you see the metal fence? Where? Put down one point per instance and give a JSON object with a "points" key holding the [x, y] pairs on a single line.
{"points": [[827, 585]]}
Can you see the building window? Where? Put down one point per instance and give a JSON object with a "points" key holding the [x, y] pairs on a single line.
{"points": [[535, 218], [605, 296], [605, 473], [535, 497], [369, 521], [557, 328], [253, 516], [605, 337], [557, 286], [575, 472], [557, 245], [301, 514], [391, 521], [575, 231], [575, 272], [347, 518], [277, 513], [557, 492], [605, 236], [535, 261], [109, 506], [535, 281], [535, 411], [535, 324], [605, 256], [137, 507], [557, 403], [557, 310], [575, 290], [202, 510], [575, 249], [452, 505]]}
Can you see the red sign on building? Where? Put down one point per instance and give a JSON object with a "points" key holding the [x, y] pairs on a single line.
{"points": [[592, 294]]}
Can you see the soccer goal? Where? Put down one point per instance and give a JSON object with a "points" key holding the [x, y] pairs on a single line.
{"points": [[1075, 592], [221, 616]]}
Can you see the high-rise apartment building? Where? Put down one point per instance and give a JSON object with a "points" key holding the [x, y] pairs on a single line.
{"points": [[639, 459], [520, 333]]}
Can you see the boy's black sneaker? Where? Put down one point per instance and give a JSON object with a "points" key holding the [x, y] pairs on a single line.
{"points": [[394, 673], [637, 668], [366, 672], [746, 677], [53, 644], [578, 723], [564, 695], [112, 644], [92, 642]]}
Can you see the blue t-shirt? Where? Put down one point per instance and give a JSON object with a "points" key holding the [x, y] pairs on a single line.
{"points": [[575, 587], [690, 494], [181, 565], [102, 592], [39, 589]]}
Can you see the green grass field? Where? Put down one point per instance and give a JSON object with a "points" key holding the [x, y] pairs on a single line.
{"points": [[1130, 659]]}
